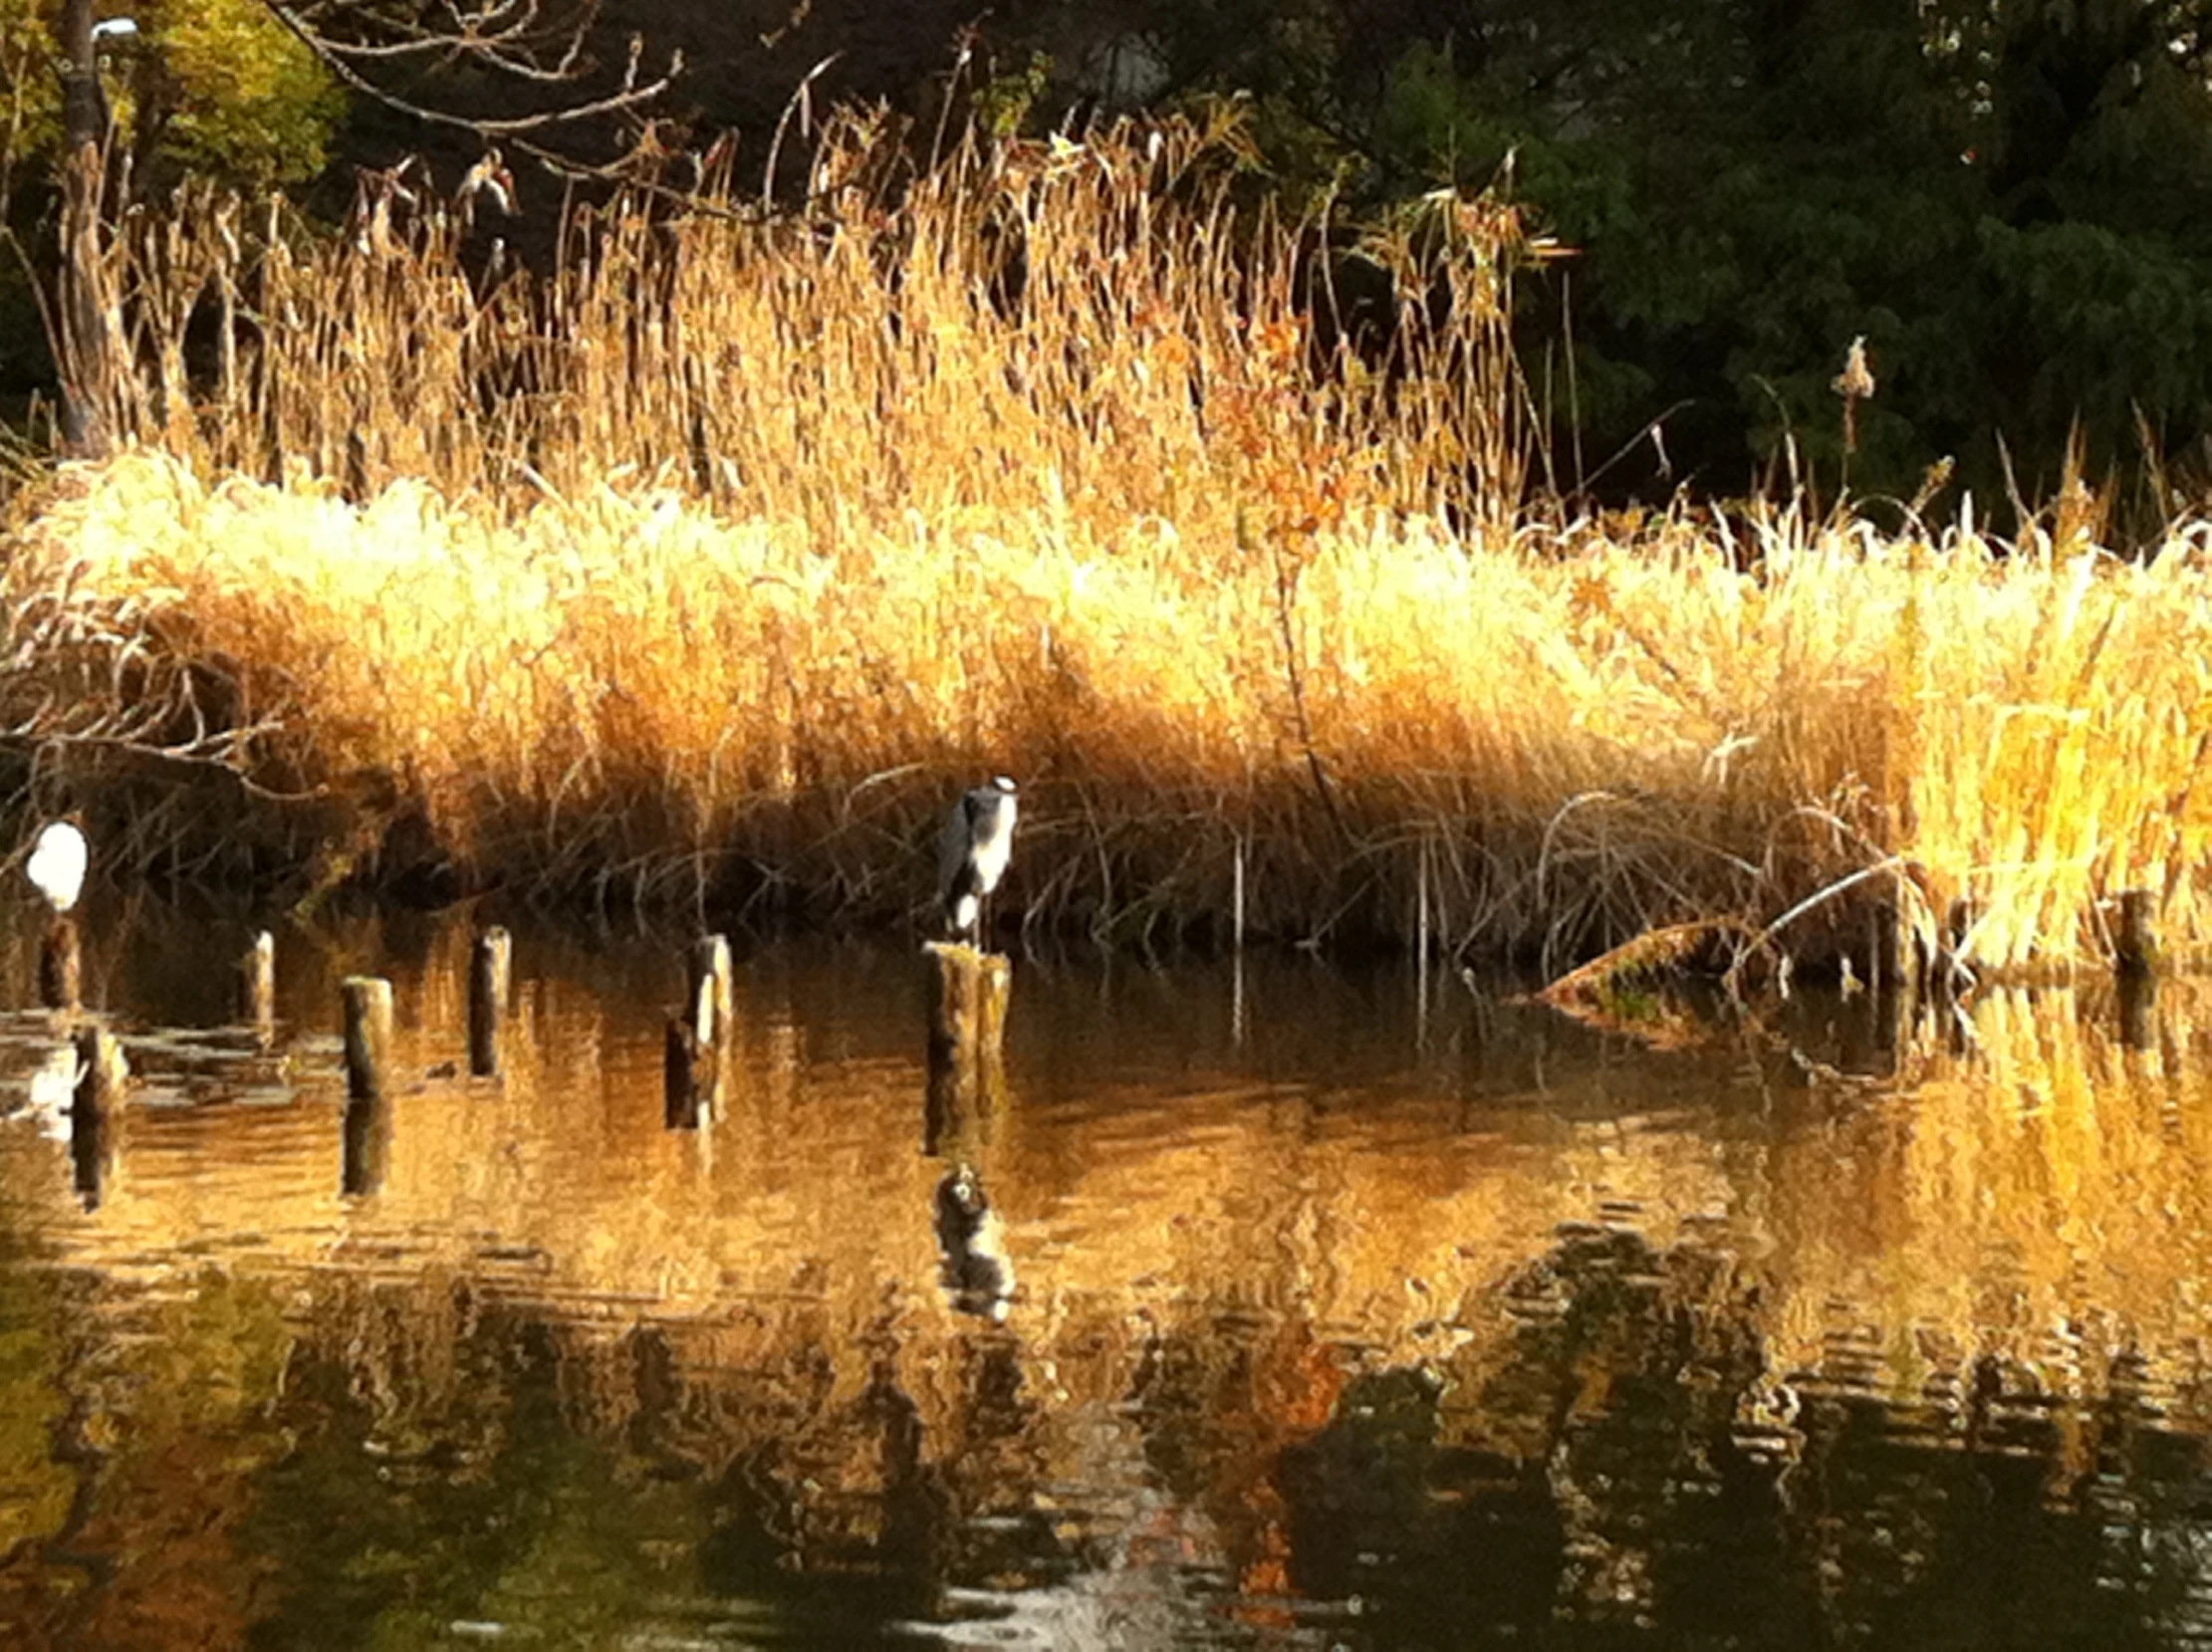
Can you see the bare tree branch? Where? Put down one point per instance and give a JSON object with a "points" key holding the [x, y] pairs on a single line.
{"points": [[513, 40]]}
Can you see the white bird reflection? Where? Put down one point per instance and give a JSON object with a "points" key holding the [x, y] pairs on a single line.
{"points": [[53, 1091]]}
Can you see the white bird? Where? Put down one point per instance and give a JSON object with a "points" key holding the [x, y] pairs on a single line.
{"points": [[972, 855], [56, 865]]}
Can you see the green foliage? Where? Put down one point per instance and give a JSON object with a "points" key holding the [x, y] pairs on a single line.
{"points": [[1430, 121], [2010, 200], [218, 87], [2116, 325], [29, 91], [236, 93], [1004, 102]]}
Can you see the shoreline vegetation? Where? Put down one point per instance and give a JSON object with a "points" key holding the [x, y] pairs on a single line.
{"points": [[702, 571]]}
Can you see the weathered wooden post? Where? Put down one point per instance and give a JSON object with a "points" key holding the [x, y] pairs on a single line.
{"points": [[86, 357], [257, 987], [1892, 983], [61, 964], [700, 1042], [711, 1000], [364, 1151], [2136, 965], [690, 1077], [367, 1144], [2136, 941], [367, 1037], [2137, 991], [967, 994], [490, 979], [102, 1074], [1887, 948]]}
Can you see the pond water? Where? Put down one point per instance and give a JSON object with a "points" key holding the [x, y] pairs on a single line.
{"points": [[1282, 1305]]}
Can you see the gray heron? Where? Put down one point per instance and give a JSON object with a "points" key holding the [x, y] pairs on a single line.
{"points": [[972, 855], [56, 865]]}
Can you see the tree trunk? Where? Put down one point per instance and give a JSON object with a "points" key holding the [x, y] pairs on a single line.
{"points": [[83, 351]]}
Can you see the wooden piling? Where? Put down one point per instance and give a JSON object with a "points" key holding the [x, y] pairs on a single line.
{"points": [[968, 993], [365, 1151], [257, 985], [101, 1070], [61, 964], [1894, 983], [967, 996], [1236, 899], [490, 979], [689, 1073], [711, 1000], [367, 1037], [102, 1074], [1888, 949], [2137, 991], [2136, 941], [699, 1043]]}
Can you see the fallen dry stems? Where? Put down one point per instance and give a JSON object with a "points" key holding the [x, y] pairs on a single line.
{"points": [[706, 569]]}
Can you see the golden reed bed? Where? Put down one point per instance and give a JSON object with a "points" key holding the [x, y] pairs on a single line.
{"points": [[708, 566]]}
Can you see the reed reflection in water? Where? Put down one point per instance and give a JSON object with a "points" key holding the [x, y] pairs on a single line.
{"points": [[1310, 1309]]}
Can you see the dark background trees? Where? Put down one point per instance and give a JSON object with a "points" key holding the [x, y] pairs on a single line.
{"points": [[2011, 200]]}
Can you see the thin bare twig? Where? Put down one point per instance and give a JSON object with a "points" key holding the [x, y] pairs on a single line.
{"points": [[506, 40]]}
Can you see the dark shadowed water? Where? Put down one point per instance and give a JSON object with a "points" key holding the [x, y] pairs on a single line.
{"points": [[1288, 1306]]}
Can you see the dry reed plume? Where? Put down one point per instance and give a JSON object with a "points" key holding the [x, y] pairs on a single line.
{"points": [[710, 565]]}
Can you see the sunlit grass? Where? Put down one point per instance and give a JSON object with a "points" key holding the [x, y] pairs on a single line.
{"points": [[1575, 743], [712, 567]]}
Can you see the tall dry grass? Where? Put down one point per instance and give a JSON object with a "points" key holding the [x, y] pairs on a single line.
{"points": [[1095, 328], [711, 566]]}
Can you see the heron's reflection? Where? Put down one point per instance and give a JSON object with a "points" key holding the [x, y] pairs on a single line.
{"points": [[978, 1275]]}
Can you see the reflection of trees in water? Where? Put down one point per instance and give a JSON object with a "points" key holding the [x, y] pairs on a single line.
{"points": [[1995, 1508], [1568, 1472], [389, 1457], [423, 1472], [1640, 1359], [1633, 1489], [1215, 1399], [1431, 1534]]}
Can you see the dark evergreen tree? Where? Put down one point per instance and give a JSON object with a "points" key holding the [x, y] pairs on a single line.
{"points": [[2010, 199]]}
